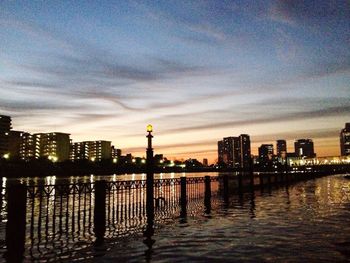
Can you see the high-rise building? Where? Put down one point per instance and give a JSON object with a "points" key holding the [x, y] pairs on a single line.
{"points": [[14, 145], [5, 127], [27, 147], [54, 146], [99, 150], [231, 148], [304, 148], [281, 146], [265, 152], [235, 151], [244, 151], [91, 150], [79, 151], [345, 140], [221, 152]]}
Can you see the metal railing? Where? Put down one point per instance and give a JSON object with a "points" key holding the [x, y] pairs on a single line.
{"points": [[54, 222]]}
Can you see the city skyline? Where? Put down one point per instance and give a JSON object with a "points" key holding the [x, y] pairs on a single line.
{"points": [[234, 151], [197, 71]]}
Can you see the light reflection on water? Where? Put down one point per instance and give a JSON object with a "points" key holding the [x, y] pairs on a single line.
{"points": [[306, 222], [92, 178]]}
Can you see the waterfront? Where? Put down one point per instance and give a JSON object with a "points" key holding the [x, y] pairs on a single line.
{"points": [[306, 222], [266, 225]]}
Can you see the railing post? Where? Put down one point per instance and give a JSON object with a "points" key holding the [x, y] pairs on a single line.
{"points": [[183, 197], [251, 174], [207, 194], [100, 211], [269, 179], [261, 180], [16, 224], [226, 189], [240, 184]]}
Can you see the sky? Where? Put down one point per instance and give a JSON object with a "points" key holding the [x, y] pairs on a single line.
{"points": [[197, 70]]}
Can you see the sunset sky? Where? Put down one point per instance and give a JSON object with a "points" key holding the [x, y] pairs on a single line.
{"points": [[197, 70]]}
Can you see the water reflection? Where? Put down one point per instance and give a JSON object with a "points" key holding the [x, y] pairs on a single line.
{"points": [[62, 219]]}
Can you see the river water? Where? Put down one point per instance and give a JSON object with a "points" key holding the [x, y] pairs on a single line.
{"points": [[304, 222]]}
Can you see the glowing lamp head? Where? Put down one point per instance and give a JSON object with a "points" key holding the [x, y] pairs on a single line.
{"points": [[6, 155], [149, 128]]}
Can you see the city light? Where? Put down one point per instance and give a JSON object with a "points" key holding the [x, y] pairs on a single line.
{"points": [[52, 158], [115, 160], [6, 156], [149, 128]]}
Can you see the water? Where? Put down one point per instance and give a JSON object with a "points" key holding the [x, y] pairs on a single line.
{"points": [[92, 178], [307, 221]]}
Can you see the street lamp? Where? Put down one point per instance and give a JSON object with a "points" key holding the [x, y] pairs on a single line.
{"points": [[150, 175]]}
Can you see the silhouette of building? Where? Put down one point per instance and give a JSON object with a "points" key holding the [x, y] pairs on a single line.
{"points": [[281, 146], [205, 162], [265, 152], [345, 140], [265, 155], [244, 154], [304, 148], [221, 153], [158, 159], [91, 150], [5, 127], [234, 152], [115, 153]]}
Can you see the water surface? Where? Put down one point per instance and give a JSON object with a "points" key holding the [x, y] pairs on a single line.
{"points": [[306, 222]]}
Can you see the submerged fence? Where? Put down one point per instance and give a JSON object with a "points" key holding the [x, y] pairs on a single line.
{"points": [[55, 222]]}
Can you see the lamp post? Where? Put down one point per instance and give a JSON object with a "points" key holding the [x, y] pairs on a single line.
{"points": [[150, 175], [149, 195]]}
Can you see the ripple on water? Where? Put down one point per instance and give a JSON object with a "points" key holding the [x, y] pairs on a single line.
{"points": [[307, 222]]}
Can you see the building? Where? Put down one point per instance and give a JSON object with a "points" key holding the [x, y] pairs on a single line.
{"points": [[221, 152], [79, 151], [281, 146], [27, 147], [345, 140], [5, 127], [265, 158], [91, 150], [304, 148], [99, 150], [234, 152], [14, 143], [205, 162], [265, 152], [244, 148], [115, 153], [54, 146]]}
